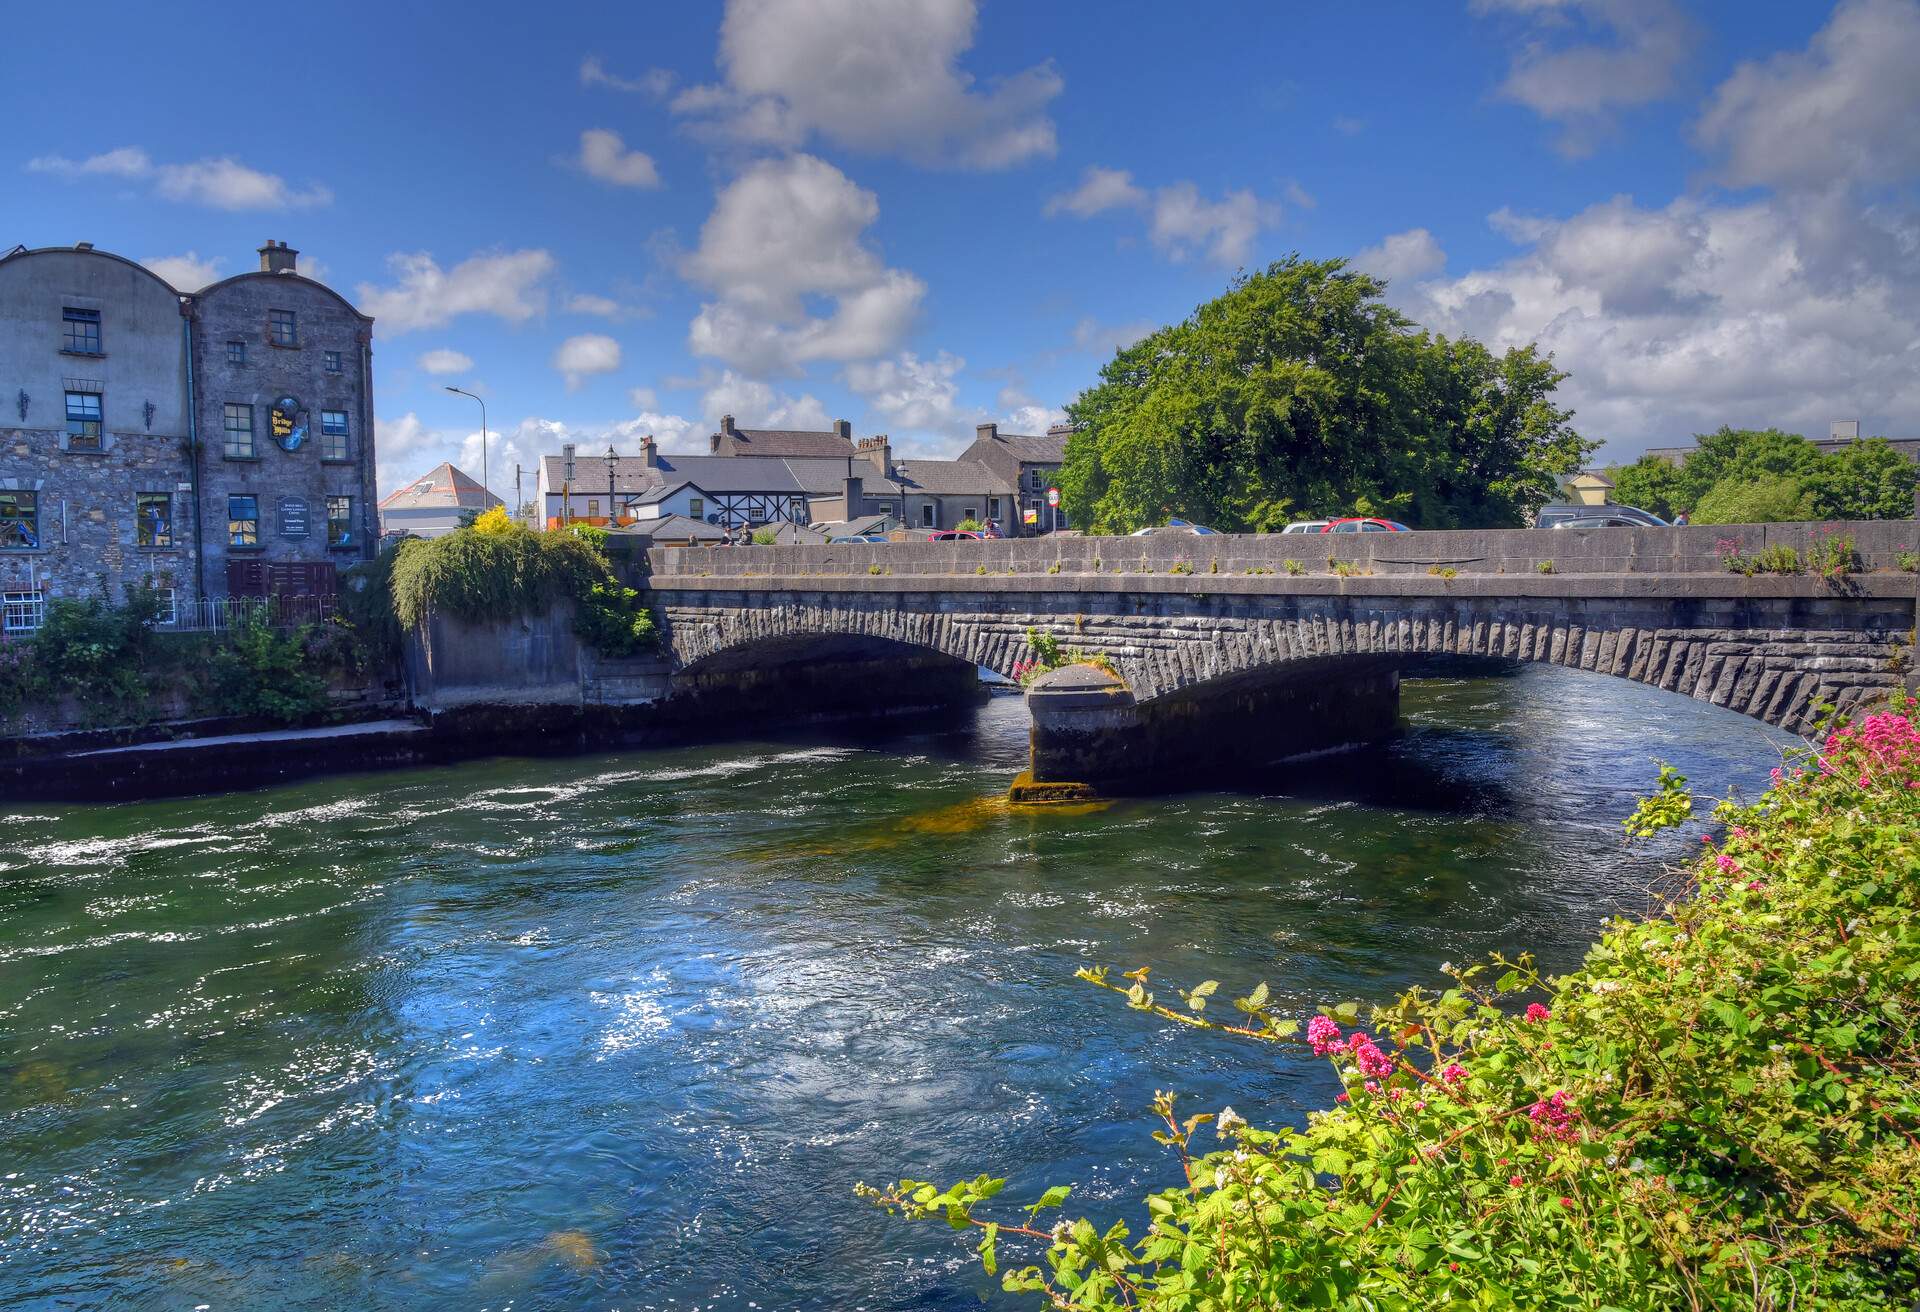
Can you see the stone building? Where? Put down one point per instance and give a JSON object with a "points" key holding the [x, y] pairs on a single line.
{"points": [[282, 369], [1031, 465], [95, 480]]}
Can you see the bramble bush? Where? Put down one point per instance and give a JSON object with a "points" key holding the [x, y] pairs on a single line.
{"points": [[1049, 655], [1719, 1109]]}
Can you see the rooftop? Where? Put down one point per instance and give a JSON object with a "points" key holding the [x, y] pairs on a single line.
{"points": [[441, 488]]}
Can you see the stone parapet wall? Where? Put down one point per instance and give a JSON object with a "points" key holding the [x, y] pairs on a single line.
{"points": [[1613, 551]]}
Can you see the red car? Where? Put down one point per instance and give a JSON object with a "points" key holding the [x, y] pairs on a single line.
{"points": [[953, 535], [1367, 524]]}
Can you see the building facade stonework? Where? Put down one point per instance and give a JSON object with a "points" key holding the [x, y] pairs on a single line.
{"points": [[118, 466]]}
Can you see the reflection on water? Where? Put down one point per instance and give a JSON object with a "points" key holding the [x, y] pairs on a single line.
{"points": [[623, 1031]]}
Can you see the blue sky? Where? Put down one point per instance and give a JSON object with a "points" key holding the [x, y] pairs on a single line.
{"points": [[923, 214]]}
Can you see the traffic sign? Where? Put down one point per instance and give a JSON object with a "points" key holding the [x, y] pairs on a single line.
{"points": [[1053, 496]]}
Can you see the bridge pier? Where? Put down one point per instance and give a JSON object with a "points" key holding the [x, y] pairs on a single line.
{"points": [[1090, 737]]}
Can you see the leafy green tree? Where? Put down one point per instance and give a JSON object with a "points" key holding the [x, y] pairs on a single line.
{"points": [[1654, 484], [1765, 499], [1300, 392], [1748, 454], [1863, 480]]}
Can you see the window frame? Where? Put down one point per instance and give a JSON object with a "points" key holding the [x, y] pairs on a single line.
{"points": [[237, 351], [228, 446], [232, 519], [334, 438], [929, 515], [163, 538], [332, 362], [22, 610], [90, 435], [30, 534], [696, 507], [75, 314], [345, 519], [290, 321]]}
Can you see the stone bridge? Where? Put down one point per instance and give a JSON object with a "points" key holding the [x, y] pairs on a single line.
{"points": [[1275, 643]]}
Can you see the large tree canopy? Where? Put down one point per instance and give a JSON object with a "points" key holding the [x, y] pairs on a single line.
{"points": [[1299, 394], [1763, 475]]}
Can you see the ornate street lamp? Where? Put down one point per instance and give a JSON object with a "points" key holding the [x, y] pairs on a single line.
{"points": [[612, 463]]}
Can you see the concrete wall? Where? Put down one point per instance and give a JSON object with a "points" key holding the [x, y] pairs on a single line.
{"points": [[1608, 551], [89, 541], [237, 310]]}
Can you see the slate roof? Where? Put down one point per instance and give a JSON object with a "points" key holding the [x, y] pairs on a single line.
{"points": [[1048, 449], [951, 478], [719, 475], [673, 528], [780, 442], [441, 488]]}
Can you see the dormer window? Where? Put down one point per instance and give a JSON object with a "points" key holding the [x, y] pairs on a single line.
{"points": [[81, 331]]}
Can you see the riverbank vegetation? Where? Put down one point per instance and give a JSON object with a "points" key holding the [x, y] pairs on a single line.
{"points": [[1766, 476], [1299, 393], [498, 570], [1719, 1109]]}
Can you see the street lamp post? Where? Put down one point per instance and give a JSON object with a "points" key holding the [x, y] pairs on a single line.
{"points": [[612, 457], [483, 437]]}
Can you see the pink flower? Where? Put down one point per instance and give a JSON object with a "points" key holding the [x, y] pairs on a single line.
{"points": [[1369, 1058], [1552, 1118], [1373, 1086], [1726, 863], [1324, 1035], [1339, 1097], [1537, 1013], [1738, 832], [1565, 1201], [1418, 1104], [1755, 885], [1516, 1181], [1454, 1073]]}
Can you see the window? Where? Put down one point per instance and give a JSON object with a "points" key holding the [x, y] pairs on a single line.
{"points": [[153, 519], [993, 507], [339, 521], [970, 513], [333, 361], [83, 421], [696, 506], [22, 612], [243, 521], [236, 352], [167, 600], [282, 329], [593, 507], [239, 431], [1036, 480], [333, 434], [82, 336], [926, 515], [19, 520]]}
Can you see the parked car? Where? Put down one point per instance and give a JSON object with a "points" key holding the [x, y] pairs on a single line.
{"points": [[1601, 521], [1307, 526], [1365, 524], [857, 537], [1553, 516], [1177, 526], [953, 535]]}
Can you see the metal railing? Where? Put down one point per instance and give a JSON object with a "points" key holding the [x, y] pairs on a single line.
{"points": [[218, 614]]}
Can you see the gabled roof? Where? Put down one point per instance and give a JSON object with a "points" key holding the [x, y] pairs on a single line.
{"points": [[674, 528], [720, 475], [441, 488], [780, 442], [1048, 449], [951, 478]]}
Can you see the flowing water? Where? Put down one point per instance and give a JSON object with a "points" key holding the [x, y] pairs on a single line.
{"points": [[622, 1031]]}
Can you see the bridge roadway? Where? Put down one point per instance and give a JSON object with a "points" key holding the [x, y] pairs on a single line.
{"points": [[1217, 633]]}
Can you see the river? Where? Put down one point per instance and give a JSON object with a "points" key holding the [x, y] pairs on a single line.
{"points": [[622, 1031]]}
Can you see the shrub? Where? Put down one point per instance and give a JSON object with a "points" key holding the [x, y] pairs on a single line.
{"points": [[1180, 567], [491, 573], [1545, 567], [1443, 571], [765, 537], [1831, 554], [1346, 569], [1908, 562], [1295, 567], [610, 620], [1719, 1109], [970, 525], [264, 672], [99, 654]]}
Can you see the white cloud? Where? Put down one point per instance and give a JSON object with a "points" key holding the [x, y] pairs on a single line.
{"points": [[605, 156], [782, 234], [914, 394], [223, 183], [1099, 189], [877, 76], [754, 404], [1611, 55], [1180, 220], [186, 273], [444, 360], [671, 433], [604, 307], [507, 284], [1096, 338], [1788, 311], [643, 398], [1184, 223], [655, 82], [1402, 256], [580, 358], [1843, 110]]}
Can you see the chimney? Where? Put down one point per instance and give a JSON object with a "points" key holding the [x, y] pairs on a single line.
{"points": [[566, 457], [1844, 430], [843, 429], [649, 453], [856, 497], [277, 257], [880, 452], [986, 432], [726, 425]]}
